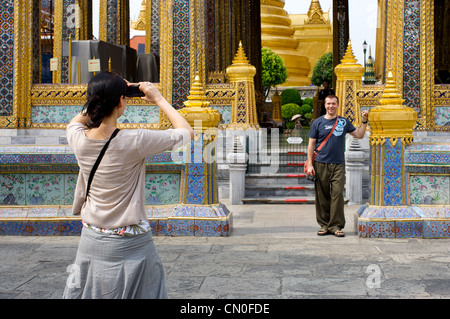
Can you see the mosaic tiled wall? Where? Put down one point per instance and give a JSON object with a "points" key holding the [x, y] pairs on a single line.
{"points": [[6, 57], [112, 29], [428, 169], [393, 174], [64, 113], [55, 114], [411, 55], [47, 175], [181, 53], [155, 27], [58, 189]]}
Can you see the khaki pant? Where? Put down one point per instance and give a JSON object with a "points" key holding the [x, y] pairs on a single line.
{"points": [[329, 188]]}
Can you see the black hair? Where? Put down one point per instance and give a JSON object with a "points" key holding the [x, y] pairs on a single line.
{"points": [[103, 96]]}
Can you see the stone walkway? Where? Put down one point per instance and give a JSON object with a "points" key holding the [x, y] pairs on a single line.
{"points": [[273, 253]]}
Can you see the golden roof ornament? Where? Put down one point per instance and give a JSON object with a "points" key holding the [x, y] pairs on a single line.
{"points": [[315, 14], [240, 57], [349, 57], [391, 119], [197, 107], [241, 67], [139, 24]]}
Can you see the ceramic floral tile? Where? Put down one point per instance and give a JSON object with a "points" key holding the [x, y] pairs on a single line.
{"points": [[70, 182], [45, 189], [140, 114], [429, 190], [162, 189], [442, 115], [12, 189], [54, 113]]}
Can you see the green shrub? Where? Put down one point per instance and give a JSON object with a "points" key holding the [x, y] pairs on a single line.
{"points": [[289, 110], [291, 96], [305, 108], [308, 101]]}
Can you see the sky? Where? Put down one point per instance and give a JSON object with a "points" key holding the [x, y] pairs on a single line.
{"points": [[363, 19]]}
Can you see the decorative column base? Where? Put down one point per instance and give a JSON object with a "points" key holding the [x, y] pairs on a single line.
{"points": [[403, 222], [191, 220]]}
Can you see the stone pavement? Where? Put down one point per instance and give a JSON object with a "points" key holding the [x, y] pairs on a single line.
{"points": [[273, 253]]}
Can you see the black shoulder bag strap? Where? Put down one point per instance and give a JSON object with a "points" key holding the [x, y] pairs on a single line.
{"points": [[97, 163]]}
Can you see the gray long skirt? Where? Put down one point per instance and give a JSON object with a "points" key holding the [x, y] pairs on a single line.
{"points": [[115, 267]]}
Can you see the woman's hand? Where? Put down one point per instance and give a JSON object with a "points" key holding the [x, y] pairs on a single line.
{"points": [[152, 94]]}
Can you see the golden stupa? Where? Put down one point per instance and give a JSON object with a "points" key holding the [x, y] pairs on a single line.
{"points": [[277, 34], [314, 31]]}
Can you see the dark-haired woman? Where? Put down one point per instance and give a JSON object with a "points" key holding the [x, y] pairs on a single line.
{"points": [[116, 257]]}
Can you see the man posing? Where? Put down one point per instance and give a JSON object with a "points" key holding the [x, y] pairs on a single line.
{"points": [[329, 165]]}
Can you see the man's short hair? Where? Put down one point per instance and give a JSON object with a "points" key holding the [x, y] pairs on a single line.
{"points": [[332, 96]]}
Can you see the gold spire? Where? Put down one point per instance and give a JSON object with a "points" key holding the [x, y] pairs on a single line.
{"points": [[391, 96], [139, 24], [315, 13], [240, 57], [349, 57], [241, 67], [197, 107], [197, 96]]}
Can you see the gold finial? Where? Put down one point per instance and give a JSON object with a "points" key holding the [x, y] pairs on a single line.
{"points": [[349, 57], [139, 24], [240, 57], [391, 96], [197, 107], [197, 96], [315, 13]]}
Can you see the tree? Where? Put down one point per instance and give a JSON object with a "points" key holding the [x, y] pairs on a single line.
{"points": [[323, 69], [274, 71]]}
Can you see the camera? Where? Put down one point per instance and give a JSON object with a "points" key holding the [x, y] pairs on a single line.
{"points": [[311, 178], [134, 91]]}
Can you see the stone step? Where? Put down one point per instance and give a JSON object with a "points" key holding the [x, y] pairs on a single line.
{"points": [[307, 200], [279, 200], [290, 179], [276, 168], [279, 190]]}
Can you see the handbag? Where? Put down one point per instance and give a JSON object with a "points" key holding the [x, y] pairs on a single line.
{"points": [[321, 145], [97, 162]]}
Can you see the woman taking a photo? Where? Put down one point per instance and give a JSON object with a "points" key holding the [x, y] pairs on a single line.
{"points": [[116, 257]]}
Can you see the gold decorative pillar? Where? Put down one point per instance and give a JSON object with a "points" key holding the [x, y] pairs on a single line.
{"points": [[241, 73], [200, 212], [392, 128], [23, 12], [348, 81]]}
